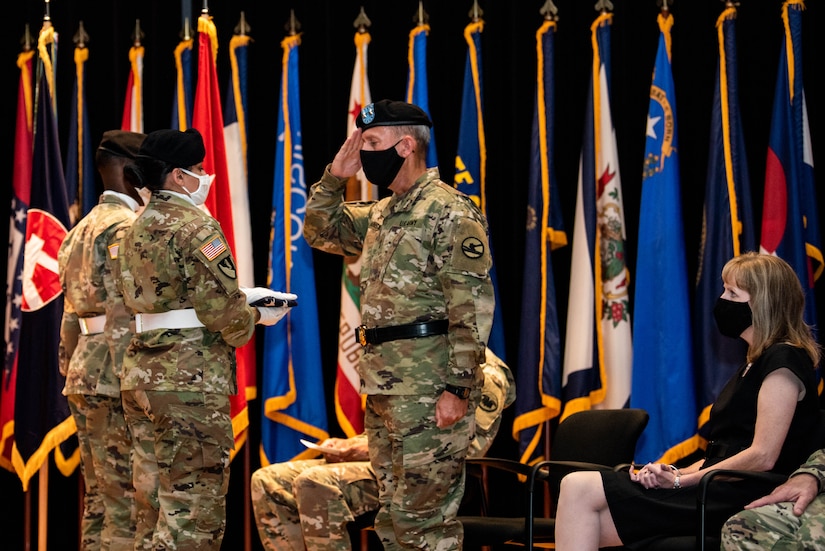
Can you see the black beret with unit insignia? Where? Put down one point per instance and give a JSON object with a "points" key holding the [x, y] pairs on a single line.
{"points": [[179, 149], [122, 143], [391, 113]]}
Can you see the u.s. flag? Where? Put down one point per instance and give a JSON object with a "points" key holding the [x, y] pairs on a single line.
{"points": [[213, 248]]}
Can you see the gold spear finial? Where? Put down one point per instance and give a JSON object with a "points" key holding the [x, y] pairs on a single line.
{"points": [[549, 11], [476, 12], [293, 25], [362, 22], [664, 5], [81, 37], [421, 17], [137, 35], [186, 32], [242, 28], [604, 6], [27, 39]]}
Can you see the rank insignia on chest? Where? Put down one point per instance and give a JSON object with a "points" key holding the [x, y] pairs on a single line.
{"points": [[211, 249], [113, 249]]}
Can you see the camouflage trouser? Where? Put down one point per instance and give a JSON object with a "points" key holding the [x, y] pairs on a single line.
{"points": [[314, 496], [181, 468], [776, 527], [420, 471], [109, 499]]}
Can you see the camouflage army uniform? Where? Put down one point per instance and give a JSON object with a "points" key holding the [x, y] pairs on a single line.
{"points": [[91, 363], [308, 503], [776, 526], [177, 382], [425, 257]]}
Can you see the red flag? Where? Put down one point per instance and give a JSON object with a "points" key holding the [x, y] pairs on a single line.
{"points": [[207, 118], [21, 184]]}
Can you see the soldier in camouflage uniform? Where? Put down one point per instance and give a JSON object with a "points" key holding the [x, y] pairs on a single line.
{"points": [[94, 333], [178, 276], [427, 308], [791, 518], [307, 504]]}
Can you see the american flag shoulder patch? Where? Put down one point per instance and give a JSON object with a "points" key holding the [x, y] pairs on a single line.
{"points": [[212, 248]]}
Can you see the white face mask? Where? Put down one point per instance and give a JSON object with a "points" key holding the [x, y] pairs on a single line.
{"points": [[204, 184]]}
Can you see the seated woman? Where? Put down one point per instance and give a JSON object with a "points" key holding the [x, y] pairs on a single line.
{"points": [[760, 422]]}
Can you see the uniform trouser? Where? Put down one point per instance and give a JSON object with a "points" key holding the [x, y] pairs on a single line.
{"points": [[105, 445], [307, 504], [420, 471], [181, 451], [775, 527]]}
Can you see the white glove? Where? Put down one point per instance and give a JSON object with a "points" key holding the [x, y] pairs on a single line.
{"points": [[270, 315], [259, 295]]}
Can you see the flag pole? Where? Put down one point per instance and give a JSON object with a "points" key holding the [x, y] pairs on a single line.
{"points": [[43, 486], [242, 29]]}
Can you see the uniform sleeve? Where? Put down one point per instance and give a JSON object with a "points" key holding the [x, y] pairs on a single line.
{"points": [[69, 325], [118, 316], [69, 333], [331, 224], [815, 466], [212, 282], [498, 393], [463, 249]]}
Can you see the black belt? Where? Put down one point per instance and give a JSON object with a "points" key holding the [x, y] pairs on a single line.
{"points": [[376, 335], [716, 450]]}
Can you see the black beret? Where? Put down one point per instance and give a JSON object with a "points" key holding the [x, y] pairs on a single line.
{"points": [[391, 113], [122, 143], [179, 149]]}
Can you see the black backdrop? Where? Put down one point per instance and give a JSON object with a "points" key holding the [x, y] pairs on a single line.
{"points": [[326, 61]]}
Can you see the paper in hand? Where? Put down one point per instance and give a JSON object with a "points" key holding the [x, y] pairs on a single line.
{"points": [[330, 451]]}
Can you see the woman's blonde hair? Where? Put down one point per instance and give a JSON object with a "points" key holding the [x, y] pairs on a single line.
{"points": [[777, 302]]}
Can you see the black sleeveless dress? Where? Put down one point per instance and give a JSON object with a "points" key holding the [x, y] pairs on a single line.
{"points": [[641, 515]]}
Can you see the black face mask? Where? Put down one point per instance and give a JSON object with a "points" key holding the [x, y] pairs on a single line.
{"points": [[732, 318], [381, 167]]}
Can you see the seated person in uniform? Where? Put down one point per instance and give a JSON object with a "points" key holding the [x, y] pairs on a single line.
{"points": [[790, 517], [307, 504]]}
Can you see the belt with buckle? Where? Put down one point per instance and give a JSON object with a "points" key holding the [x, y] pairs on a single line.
{"points": [[185, 318], [92, 325], [376, 335]]}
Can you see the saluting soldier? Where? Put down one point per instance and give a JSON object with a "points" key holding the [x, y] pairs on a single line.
{"points": [[307, 504], [427, 310], [94, 333], [178, 276]]}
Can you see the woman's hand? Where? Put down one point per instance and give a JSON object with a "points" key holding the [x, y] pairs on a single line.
{"points": [[654, 475]]}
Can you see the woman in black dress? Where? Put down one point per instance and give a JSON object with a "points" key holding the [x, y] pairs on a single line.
{"points": [[761, 421]]}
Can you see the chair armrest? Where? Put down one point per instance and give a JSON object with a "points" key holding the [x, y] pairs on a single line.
{"points": [[770, 480], [501, 464]]}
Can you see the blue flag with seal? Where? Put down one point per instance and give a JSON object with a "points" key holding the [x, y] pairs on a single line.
{"points": [[471, 160], [663, 375], [727, 226], [294, 406], [539, 368]]}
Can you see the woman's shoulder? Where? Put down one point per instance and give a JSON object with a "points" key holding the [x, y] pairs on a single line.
{"points": [[785, 355]]}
